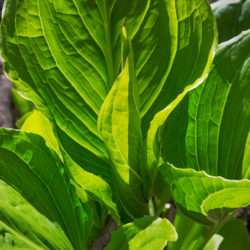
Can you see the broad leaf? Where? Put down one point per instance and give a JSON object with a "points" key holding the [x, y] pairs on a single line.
{"points": [[27, 164], [24, 226], [232, 17], [235, 235], [214, 118], [65, 56], [144, 233], [198, 194], [193, 236], [120, 126], [96, 188]]}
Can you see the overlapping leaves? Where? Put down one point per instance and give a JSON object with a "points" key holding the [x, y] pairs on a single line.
{"points": [[38, 174], [65, 56], [198, 194], [68, 58], [144, 233], [214, 118], [23, 227]]}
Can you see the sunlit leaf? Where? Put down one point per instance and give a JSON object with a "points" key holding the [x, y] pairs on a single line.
{"points": [[144, 233]]}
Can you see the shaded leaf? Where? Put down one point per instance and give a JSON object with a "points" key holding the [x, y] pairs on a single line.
{"points": [[214, 118], [235, 235], [23, 105], [232, 17]]}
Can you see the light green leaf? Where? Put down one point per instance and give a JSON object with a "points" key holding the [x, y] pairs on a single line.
{"points": [[232, 17], [38, 124], [22, 226], [65, 56], [144, 233], [246, 159], [120, 126], [214, 243], [214, 118], [197, 193], [27, 164], [96, 188]]}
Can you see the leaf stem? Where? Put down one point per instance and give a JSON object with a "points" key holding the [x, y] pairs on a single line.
{"points": [[208, 233]]}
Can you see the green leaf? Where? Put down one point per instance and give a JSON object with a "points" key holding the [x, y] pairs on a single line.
{"points": [[214, 118], [120, 126], [246, 159], [38, 124], [192, 38], [37, 172], [22, 226], [144, 233], [95, 187], [192, 235], [65, 56], [193, 75], [23, 105], [197, 194], [235, 235], [232, 17], [214, 243]]}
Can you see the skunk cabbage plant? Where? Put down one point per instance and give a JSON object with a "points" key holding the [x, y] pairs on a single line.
{"points": [[134, 104]]}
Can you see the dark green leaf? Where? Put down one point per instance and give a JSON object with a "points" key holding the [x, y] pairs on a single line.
{"points": [[232, 17], [27, 164], [214, 118], [22, 226], [235, 236]]}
